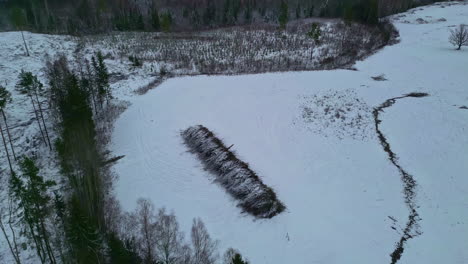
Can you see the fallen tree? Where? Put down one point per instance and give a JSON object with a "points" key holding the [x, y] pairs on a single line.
{"points": [[234, 175]]}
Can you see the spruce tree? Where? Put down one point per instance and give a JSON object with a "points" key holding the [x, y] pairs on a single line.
{"points": [[101, 78], [237, 259]]}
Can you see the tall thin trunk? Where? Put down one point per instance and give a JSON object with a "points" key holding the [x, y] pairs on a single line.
{"points": [[9, 135], [6, 149], [46, 6], [46, 241], [33, 11], [43, 122], [10, 224], [25, 45], [38, 119], [8, 242], [39, 248]]}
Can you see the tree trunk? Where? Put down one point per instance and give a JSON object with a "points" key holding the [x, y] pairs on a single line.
{"points": [[8, 242], [39, 248], [33, 12], [25, 45], [38, 119], [10, 212], [6, 149], [9, 135], [46, 6], [43, 122], [45, 236]]}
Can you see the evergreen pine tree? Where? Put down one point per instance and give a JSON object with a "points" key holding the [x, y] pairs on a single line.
{"points": [[5, 97], [30, 190], [30, 85]]}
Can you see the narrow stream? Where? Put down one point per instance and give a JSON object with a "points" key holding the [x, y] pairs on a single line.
{"points": [[409, 183]]}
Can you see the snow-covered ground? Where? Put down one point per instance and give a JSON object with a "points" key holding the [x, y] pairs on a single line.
{"points": [[340, 189], [309, 135]]}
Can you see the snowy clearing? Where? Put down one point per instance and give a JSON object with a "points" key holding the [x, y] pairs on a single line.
{"points": [[344, 198], [311, 136]]}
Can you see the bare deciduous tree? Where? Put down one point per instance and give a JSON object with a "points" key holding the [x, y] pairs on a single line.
{"points": [[459, 36], [204, 248], [145, 214], [170, 240]]}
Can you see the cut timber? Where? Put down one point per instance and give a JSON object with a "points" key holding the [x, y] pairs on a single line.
{"points": [[253, 196]]}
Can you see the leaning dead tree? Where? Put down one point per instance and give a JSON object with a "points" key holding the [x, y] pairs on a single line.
{"points": [[459, 36]]}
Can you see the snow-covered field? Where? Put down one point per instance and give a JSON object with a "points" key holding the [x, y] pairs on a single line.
{"points": [[340, 189], [309, 135]]}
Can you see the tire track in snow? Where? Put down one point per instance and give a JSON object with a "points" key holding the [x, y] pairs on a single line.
{"points": [[409, 183]]}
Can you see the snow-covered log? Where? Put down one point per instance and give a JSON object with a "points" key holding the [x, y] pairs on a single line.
{"points": [[253, 196]]}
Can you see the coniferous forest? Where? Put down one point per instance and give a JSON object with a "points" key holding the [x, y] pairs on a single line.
{"points": [[93, 16]]}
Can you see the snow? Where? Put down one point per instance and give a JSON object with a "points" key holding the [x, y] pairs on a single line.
{"points": [[340, 190]]}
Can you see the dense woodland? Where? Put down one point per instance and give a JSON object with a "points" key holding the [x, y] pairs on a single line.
{"points": [[92, 16]]}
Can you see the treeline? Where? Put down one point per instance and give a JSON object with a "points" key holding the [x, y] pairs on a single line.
{"points": [[91, 16], [74, 218]]}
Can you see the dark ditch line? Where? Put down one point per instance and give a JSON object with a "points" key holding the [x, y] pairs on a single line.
{"points": [[409, 190], [234, 175]]}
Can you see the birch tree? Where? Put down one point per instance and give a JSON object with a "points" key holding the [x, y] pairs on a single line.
{"points": [[146, 221], [169, 243], [204, 248]]}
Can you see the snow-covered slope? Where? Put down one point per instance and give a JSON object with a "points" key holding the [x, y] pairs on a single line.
{"points": [[311, 136]]}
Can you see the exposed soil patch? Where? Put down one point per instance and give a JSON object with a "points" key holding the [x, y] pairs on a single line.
{"points": [[340, 113], [243, 184], [412, 227]]}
